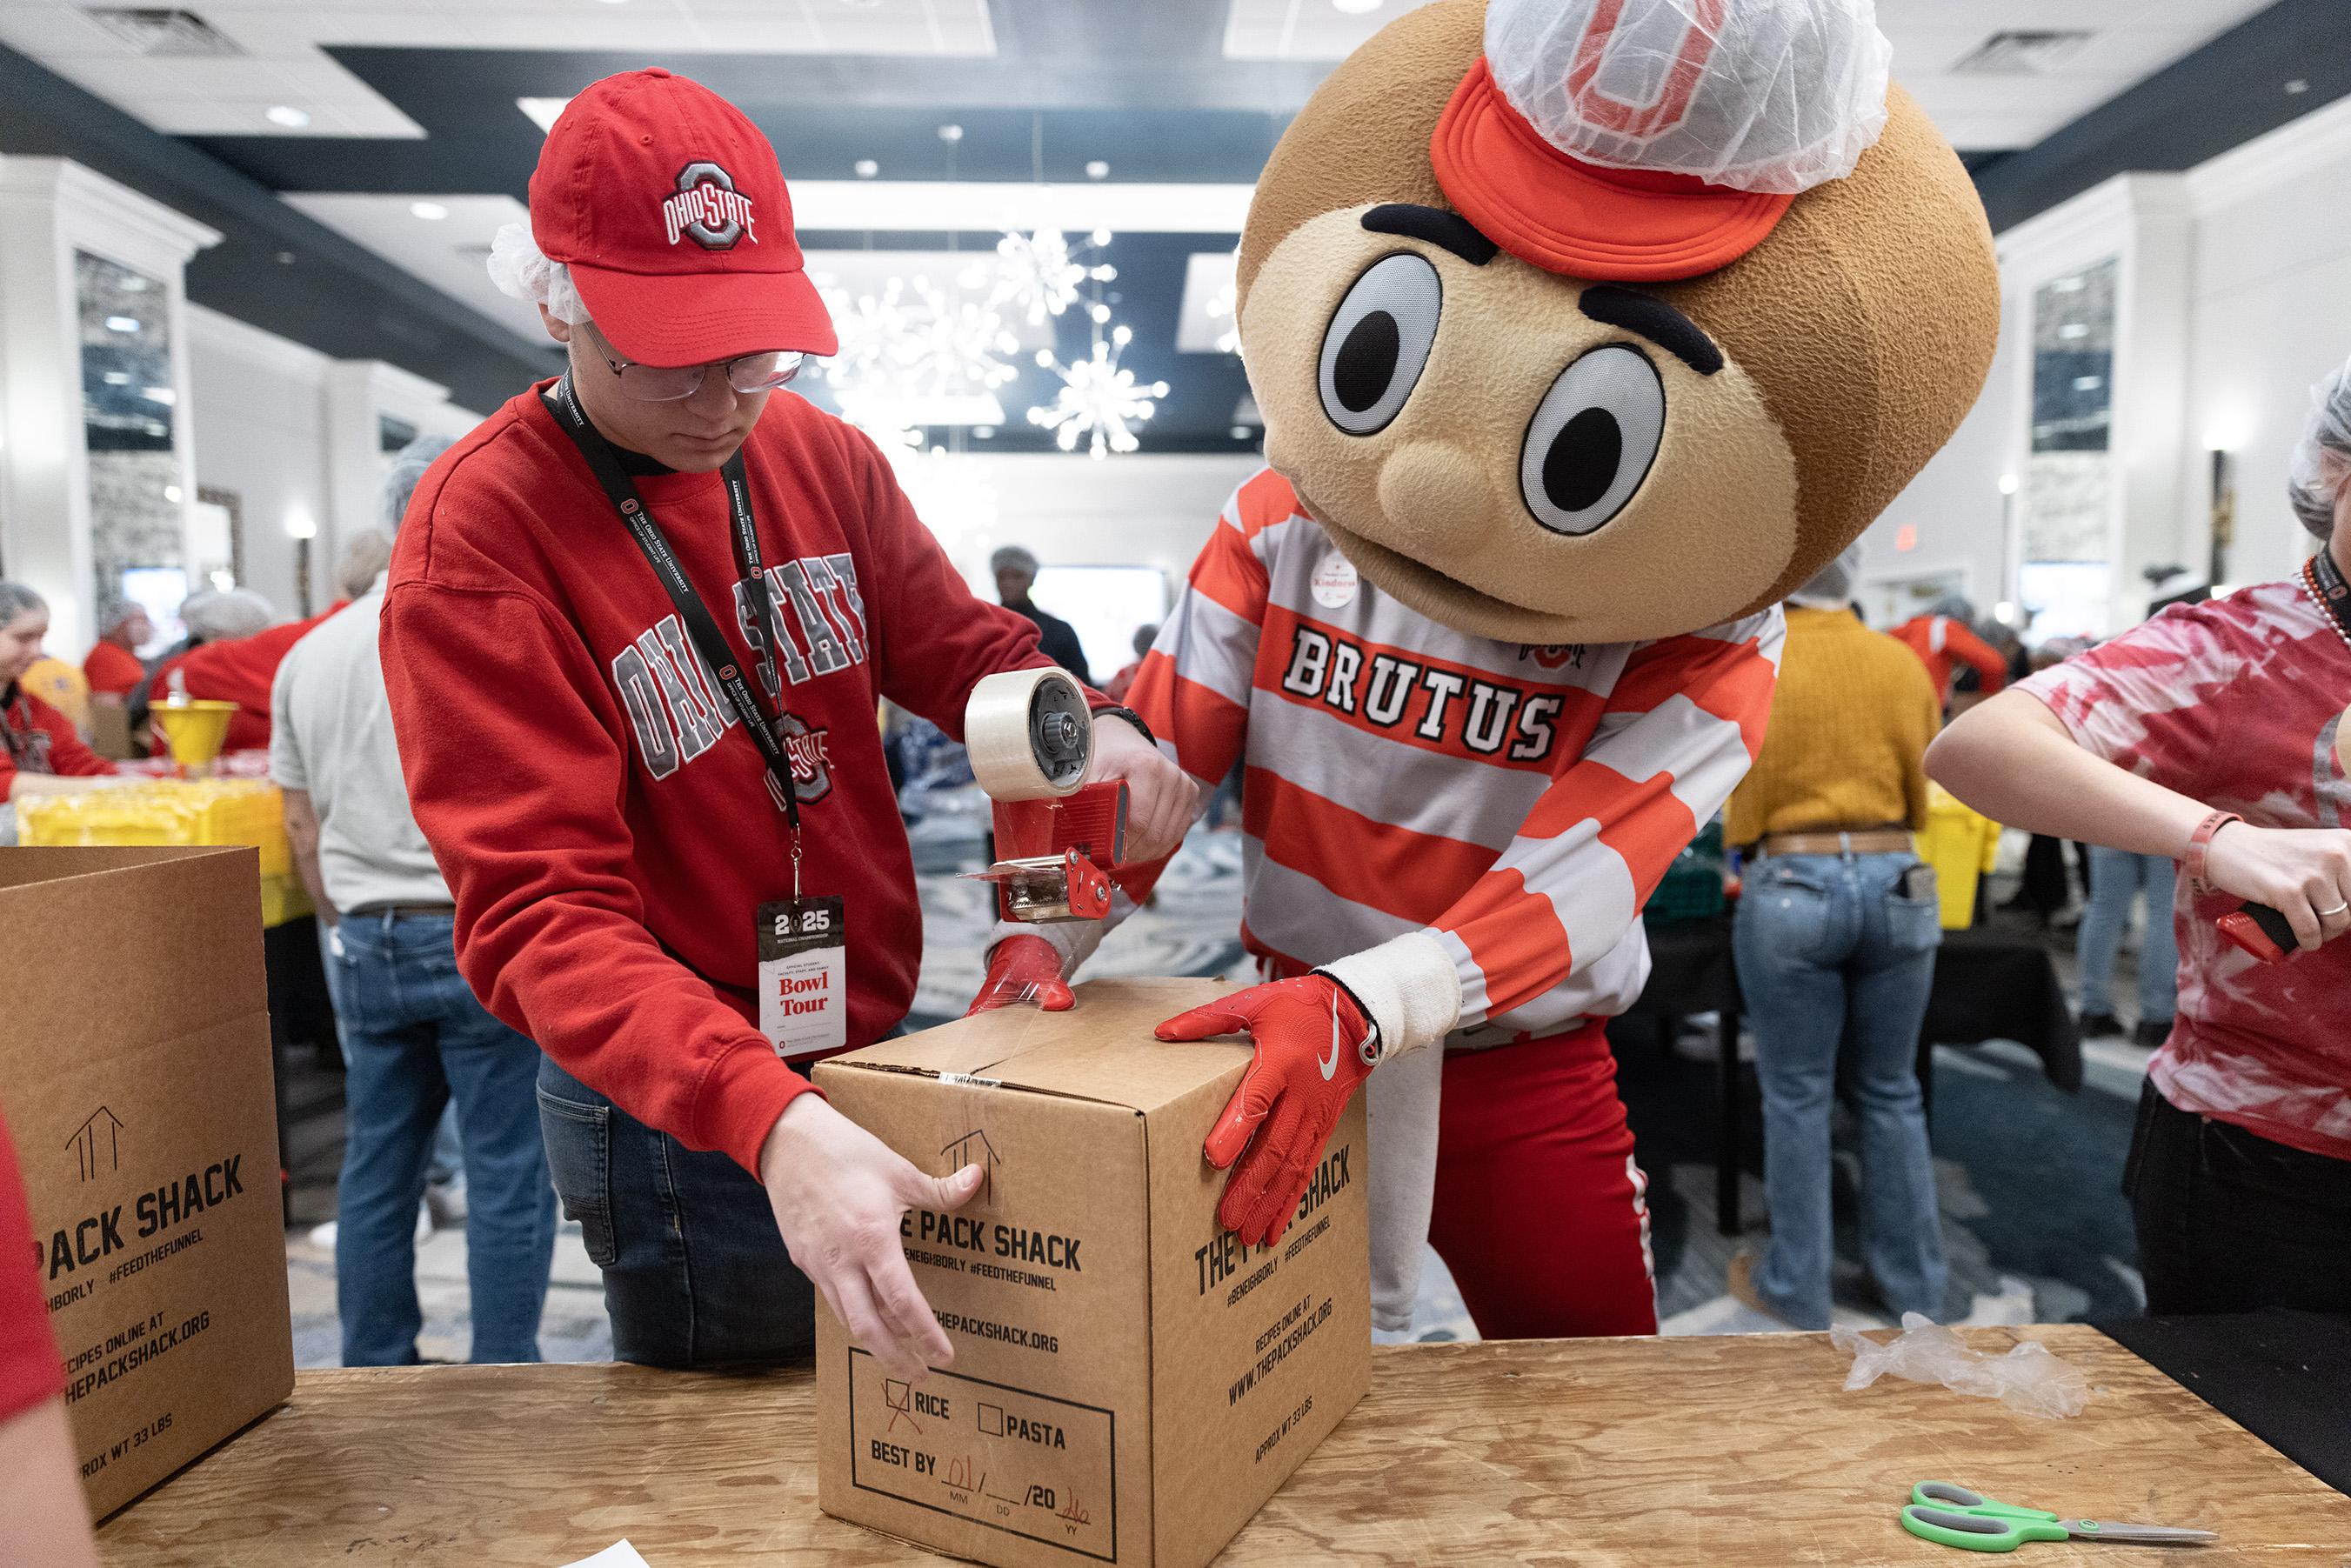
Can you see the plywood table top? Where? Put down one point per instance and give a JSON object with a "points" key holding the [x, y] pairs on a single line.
{"points": [[1720, 1452]]}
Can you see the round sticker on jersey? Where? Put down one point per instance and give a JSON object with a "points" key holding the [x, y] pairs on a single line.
{"points": [[1334, 582]]}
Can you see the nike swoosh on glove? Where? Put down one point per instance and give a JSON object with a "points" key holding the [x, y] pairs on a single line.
{"points": [[1023, 970], [1310, 1038]]}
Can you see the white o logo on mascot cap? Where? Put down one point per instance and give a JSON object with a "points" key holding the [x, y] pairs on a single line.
{"points": [[1755, 95]]}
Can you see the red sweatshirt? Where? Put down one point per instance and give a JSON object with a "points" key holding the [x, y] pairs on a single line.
{"points": [[241, 671], [607, 840], [112, 670], [39, 738], [31, 1371]]}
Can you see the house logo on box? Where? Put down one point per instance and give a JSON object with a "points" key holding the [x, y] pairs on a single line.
{"points": [[97, 1143]]}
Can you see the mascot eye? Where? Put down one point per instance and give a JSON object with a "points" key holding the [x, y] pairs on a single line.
{"points": [[1376, 345], [1593, 439]]}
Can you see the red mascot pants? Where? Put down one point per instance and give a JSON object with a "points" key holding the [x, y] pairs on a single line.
{"points": [[1540, 1213]]}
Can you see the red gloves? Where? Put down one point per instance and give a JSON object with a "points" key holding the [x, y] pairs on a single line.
{"points": [[1311, 1055], [1023, 970]]}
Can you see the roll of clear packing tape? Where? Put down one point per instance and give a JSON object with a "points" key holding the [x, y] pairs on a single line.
{"points": [[1029, 733]]}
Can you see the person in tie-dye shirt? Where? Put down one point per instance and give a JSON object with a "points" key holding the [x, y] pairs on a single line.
{"points": [[2240, 1172]]}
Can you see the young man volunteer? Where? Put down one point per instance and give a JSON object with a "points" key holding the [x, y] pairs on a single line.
{"points": [[638, 625]]}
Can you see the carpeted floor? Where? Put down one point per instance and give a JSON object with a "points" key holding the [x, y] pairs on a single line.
{"points": [[2033, 1223]]}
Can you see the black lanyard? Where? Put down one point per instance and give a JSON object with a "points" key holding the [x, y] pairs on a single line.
{"points": [[700, 625], [2328, 588]]}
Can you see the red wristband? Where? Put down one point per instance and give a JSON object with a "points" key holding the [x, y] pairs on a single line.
{"points": [[2200, 847]]}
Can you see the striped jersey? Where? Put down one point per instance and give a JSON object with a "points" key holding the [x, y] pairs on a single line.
{"points": [[1517, 803]]}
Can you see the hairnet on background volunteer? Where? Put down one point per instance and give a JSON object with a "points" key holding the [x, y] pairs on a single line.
{"points": [[2320, 463], [1832, 587], [521, 271], [408, 467], [1783, 95], [1013, 558], [218, 616], [15, 599]]}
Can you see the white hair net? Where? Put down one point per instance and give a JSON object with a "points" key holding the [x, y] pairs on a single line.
{"points": [[522, 271], [217, 617], [2315, 474], [1013, 558], [1831, 586], [1758, 95], [408, 467]]}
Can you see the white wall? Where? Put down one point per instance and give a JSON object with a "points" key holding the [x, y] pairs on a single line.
{"points": [[258, 415], [2270, 314], [2236, 297], [1142, 509]]}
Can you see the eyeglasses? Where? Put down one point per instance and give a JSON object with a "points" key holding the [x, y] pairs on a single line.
{"points": [[746, 374]]}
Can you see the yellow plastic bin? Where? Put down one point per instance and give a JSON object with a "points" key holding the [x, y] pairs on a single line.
{"points": [[165, 811], [1962, 844]]}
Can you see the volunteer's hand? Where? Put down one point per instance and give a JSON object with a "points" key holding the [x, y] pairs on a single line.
{"points": [[1309, 1036], [1161, 798], [1023, 970], [837, 1192], [2298, 871]]}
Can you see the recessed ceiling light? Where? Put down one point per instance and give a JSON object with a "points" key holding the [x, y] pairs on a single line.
{"points": [[172, 494], [118, 378], [287, 115], [284, 258], [122, 323], [431, 212], [983, 431], [867, 168], [1243, 433], [1096, 169], [951, 134], [1354, 7], [2297, 87]]}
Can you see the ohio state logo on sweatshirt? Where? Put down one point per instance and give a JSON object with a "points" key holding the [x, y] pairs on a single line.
{"points": [[816, 628], [708, 209]]}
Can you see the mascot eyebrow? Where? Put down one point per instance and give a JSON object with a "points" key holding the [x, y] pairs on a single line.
{"points": [[1654, 320], [1449, 231]]}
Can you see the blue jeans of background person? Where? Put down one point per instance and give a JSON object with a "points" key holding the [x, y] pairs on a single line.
{"points": [[2117, 877], [696, 1273], [446, 1167], [417, 1040], [1830, 952]]}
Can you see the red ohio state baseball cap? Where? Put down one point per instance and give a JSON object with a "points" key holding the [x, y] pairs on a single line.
{"points": [[668, 207]]}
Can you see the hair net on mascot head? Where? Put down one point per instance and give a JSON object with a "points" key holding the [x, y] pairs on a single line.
{"points": [[1570, 324]]}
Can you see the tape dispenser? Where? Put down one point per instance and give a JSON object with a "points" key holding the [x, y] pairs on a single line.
{"points": [[1031, 736]]}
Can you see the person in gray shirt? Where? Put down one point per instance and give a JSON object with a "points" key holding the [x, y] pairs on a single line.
{"points": [[414, 1037]]}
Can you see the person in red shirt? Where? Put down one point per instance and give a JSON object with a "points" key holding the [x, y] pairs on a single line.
{"points": [[239, 670], [111, 666], [634, 738], [38, 748], [2217, 735], [44, 1517], [1944, 639]]}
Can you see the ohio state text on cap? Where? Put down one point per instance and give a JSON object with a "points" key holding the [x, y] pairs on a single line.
{"points": [[668, 207]]}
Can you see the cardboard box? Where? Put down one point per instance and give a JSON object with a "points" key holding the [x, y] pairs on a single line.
{"points": [[1130, 1384], [135, 1076]]}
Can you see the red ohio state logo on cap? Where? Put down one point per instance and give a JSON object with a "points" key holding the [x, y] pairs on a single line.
{"points": [[708, 209]]}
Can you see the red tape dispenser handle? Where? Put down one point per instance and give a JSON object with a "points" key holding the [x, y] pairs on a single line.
{"points": [[2261, 931]]}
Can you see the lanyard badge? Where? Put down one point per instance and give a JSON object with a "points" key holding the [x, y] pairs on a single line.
{"points": [[803, 975]]}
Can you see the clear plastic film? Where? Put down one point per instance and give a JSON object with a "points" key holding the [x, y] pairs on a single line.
{"points": [[1756, 95], [2320, 463], [522, 271], [2028, 1378]]}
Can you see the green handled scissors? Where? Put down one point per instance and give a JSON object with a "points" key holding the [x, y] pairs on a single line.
{"points": [[1953, 1516]]}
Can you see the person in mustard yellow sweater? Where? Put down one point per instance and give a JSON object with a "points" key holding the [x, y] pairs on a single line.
{"points": [[1835, 940]]}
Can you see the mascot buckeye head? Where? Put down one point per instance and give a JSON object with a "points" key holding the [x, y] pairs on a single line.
{"points": [[1599, 321]]}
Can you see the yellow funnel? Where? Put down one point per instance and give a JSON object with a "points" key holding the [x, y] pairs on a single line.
{"points": [[196, 730]]}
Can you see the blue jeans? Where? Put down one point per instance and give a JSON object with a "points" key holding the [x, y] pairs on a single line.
{"points": [[2117, 877], [447, 1163], [696, 1273], [416, 1040], [1831, 951]]}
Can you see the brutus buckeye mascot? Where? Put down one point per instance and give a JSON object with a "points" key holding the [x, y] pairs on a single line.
{"points": [[1585, 331]]}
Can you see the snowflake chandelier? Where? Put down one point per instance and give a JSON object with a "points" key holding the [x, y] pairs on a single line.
{"points": [[1039, 277], [1099, 402]]}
